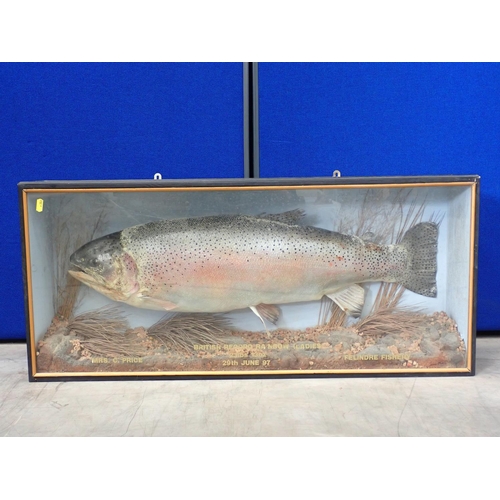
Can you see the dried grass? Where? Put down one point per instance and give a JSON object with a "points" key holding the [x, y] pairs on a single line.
{"points": [[390, 294], [394, 320], [67, 295], [331, 315], [377, 216], [103, 333], [181, 331], [69, 231], [387, 223]]}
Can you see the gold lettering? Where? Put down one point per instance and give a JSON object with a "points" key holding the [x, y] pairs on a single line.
{"points": [[130, 360], [398, 357], [207, 347], [100, 360], [250, 362], [307, 346], [361, 357]]}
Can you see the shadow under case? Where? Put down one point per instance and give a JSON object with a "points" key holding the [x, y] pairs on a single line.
{"points": [[238, 278]]}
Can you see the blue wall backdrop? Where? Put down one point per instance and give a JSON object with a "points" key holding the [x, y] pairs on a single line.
{"points": [[128, 121], [109, 121], [390, 119]]}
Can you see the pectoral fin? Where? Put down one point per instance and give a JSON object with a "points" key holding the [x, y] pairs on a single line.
{"points": [[350, 300], [269, 312], [152, 303]]}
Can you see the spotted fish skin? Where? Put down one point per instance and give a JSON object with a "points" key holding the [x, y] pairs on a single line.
{"points": [[228, 262]]}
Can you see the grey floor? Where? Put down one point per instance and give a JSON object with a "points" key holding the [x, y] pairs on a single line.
{"points": [[406, 406]]}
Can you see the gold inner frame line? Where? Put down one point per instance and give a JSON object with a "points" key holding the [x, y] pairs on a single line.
{"points": [[247, 188], [27, 191]]}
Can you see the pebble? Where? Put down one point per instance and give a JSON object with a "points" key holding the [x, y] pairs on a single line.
{"points": [[450, 341]]}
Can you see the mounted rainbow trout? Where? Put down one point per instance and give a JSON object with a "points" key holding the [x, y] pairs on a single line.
{"points": [[227, 262]]}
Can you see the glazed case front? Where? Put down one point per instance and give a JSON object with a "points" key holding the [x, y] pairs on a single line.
{"points": [[333, 311]]}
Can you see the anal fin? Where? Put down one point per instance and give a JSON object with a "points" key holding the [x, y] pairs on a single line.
{"points": [[351, 300]]}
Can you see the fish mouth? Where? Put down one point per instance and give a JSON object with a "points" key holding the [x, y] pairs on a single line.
{"points": [[96, 282], [77, 272], [100, 285], [73, 268], [83, 275]]}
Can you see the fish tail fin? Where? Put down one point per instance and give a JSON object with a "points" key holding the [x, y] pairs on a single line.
{"points": [[420, 242]]}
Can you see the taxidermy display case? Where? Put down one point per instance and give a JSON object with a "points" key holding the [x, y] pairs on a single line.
{"points": [[250, 278]]}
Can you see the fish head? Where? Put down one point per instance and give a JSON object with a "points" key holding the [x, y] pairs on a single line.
{"points": [[105, 266]]}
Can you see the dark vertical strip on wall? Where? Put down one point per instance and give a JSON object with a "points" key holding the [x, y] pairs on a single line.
{"points": [[251, 119]]}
